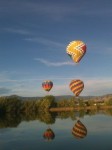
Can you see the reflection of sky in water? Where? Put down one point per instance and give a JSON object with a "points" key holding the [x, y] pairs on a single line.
{"points": [[99, 123], [29, 135]]}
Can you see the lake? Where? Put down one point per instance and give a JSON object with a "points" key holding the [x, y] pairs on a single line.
{"points": [[19, 133]]}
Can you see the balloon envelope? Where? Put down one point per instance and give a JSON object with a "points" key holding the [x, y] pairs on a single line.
{"points": [[79, 130], [76, 50], [47, 85], [76, 86]]}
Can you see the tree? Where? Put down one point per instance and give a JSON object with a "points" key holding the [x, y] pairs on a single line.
{"points": [[81, 103], [46, 103]]}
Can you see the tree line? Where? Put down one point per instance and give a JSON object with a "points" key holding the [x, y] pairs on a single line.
{"points": [[15, 105]]}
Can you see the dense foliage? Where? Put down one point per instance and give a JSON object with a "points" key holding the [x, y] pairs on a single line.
{"points": [[13, 110]]}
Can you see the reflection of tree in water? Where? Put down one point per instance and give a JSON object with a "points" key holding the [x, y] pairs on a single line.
{"points": [[91, 112], [108, 112], [46, 117], [81, 113], [65, 115], [9, 120]]}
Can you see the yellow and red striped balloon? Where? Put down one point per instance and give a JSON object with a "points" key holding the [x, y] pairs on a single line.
{"points": [[79, 130], [76, 50], [47, 85], [76, 86]]}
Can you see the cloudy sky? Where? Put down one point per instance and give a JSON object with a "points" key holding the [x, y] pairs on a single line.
{"points": [[34, 35]]}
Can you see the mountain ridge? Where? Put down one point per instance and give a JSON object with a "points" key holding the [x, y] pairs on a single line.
{"points": [[103, 97]]}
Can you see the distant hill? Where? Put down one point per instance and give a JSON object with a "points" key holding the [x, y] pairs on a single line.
{"points": [[24, 98], [104, 97]]}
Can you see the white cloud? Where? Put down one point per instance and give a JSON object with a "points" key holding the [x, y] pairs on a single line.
{"points": [[18, 31], [98, 86], [55, 64], [45, 41]]}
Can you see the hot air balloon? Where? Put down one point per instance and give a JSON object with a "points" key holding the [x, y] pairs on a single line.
{"points": [[79, 130], [49, 134], [76, 50], [47, 85], [76, 86]]}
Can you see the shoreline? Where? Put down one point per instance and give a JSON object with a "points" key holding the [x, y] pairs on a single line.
{"points": [[79, 108]]}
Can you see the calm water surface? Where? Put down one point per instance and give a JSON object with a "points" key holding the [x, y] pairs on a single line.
{"points": [[28, 135]]}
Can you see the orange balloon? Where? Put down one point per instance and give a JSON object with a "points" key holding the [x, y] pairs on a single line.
{"points": [[76, 50], [47, 85]]}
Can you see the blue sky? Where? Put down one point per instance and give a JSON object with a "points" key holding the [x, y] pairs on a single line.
{"points": [[34, 35]]}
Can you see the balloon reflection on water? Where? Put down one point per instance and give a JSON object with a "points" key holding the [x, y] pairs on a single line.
{"points": [[79, 131], [49, 134]]}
